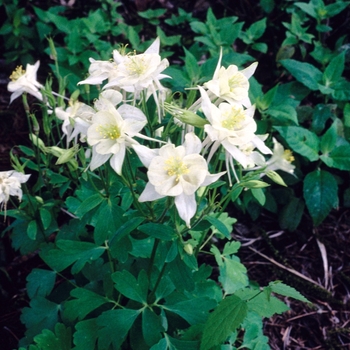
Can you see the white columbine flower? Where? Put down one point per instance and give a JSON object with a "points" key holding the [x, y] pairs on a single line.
{"points": [[281, 159], [111, 132], [231, 84], [25, 81], [176, 172], [99, 71], [10, 185]]}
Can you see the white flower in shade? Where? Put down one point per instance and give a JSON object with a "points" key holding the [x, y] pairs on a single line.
{"points": [[281, 159], [111, 132], [25, 81], [10, 185], [231, 84], [99, 71], [176, 172]]}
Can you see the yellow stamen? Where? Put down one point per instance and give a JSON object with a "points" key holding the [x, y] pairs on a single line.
{"points": [[288, 155], [109, 131], [237, 80], [136, 64], [175, 166], [234, 119], [17, 73]]}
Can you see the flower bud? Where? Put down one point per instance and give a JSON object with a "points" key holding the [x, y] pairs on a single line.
{"points": [[188, 249], [275, 178], [254, 184]]}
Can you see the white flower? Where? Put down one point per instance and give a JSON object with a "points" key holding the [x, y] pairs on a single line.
{"points": [[10, 185], [111, 133], [25, 81], [230, 84], [176, 172], [99, 71], [281, 159]]}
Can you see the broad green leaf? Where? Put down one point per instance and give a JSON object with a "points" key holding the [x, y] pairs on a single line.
{"points": [[133, 289], [321, 114], [42, 314], [114, 326], [320, 194], [85, 302], [330, 137], [71, 252], [291, 214], [300, 140], [283, 115], [287, 291], [32, 229], [307, 8], [163, 232], [305, 73], [89, 204], [86, 335], [219, 225], [40, 282], [334, 70], [335, 8], [254, 338], [192, 67], [46, 217], [152, 327], [181, 275], [259, 195], [266, 305], [60, 339], [233, 275], [338, 157], [224, 320], [194, 311]]}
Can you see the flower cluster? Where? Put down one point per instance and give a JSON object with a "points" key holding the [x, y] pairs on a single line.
{"points": [[117, 123]]}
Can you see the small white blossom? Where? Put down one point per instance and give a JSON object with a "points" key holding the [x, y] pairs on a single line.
{"points": [[281, 159], [10, 185], [231, 84], [25, 81], [176, 172], [111, 132]]}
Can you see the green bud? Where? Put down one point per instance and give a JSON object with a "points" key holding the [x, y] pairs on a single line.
{"points": [[37, 142], [39, 200], [74, 96], [254, 184], [188, 249], [275, 178], [52, 49], [67, 155]]}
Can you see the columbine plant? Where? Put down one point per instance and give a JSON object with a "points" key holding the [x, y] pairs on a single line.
{"points": [[140, 195]]}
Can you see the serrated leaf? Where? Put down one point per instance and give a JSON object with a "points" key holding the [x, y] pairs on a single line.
{"points": [[85, 302], [40, 282], [287, 291], [60, 339], [305, 73], [320, 194], [127, 284], [86, 335], [114, 326], [233, 275], [266, 305], [301, 141], [224, 320]]}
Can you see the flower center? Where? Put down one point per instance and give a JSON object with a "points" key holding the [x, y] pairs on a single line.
{"points": [[237, 80], [233, 118], [175, 166], [288, 155], [136, 65], [109, 131], [17, 73]]}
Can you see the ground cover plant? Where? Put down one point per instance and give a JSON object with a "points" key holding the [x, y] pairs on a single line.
{"points": [[141, 156]]}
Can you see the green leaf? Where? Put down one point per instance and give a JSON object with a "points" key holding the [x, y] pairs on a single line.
{"points": [[334, 70], [233, 275], [133, 289], [85, 302], [46, 217], [219, 225], [224, 320], [338, 158], [192, 67], [42, 314], [320, 115], [301, 141], [307, 8], [32, 229], [152, 327], [320, 194], [291, 214], [163, 232], [89, 204], [287, 291], [40, 282], [259, 195], [283, 114], [114, 326], [71, 252], [86, 335], [60, 339], [266, 305], [305, 73], [194, 311]]}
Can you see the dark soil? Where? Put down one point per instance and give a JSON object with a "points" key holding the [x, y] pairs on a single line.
{"points": [[314, 261]]}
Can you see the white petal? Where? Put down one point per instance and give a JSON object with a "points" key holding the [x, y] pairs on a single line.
{"points": [[186, 207], [145, 154], [117, 160], [149, 194]]}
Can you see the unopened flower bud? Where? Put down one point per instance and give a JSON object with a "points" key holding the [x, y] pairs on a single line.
{"points": [[275, 177], [255, 184], [188, 249]]}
